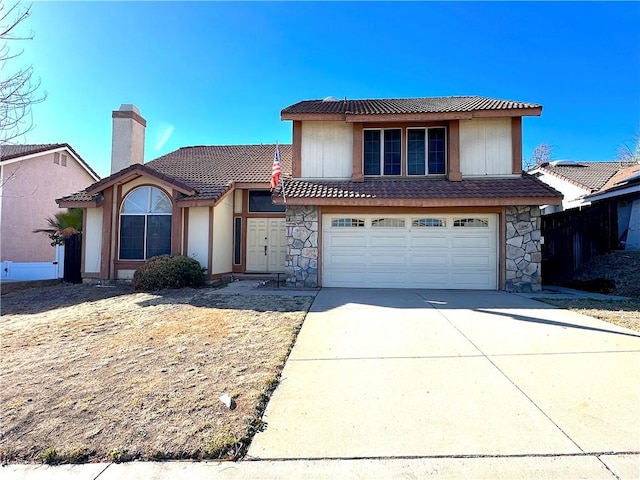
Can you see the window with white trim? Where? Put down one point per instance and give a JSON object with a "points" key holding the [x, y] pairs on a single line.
{"points": [[426, 151], [145, 224], [429, 222], [382, 151], [347, 222], [471, 222]]}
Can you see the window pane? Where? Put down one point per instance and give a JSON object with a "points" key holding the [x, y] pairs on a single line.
{"points": [[392, 151], [132, 237], [471, 222], [388, 222], [347, 222], [160, 203], [436, 150], [237, 241], [372, 152], [260, 201], [158, 235], [429, 222], [416, 151], [137, 201]]}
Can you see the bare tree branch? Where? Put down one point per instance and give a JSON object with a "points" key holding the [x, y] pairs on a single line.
{"points": [[19, 89], [541, 154]]}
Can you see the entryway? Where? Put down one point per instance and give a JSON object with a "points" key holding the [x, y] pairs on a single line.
{"points": [[266, 244]]}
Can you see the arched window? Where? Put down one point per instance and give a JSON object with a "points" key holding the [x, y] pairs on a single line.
{"points": [[145, 224]]}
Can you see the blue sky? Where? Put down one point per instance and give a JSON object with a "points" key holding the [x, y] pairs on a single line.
{"points": [[206, 73]]}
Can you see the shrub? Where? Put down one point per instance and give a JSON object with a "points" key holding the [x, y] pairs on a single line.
{"points": [[168, 271]]}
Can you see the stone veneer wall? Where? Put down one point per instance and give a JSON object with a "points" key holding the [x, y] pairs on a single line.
{"points": [[301, 262], [524, 257]]}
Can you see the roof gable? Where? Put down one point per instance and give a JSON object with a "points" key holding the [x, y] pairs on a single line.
{"points": [[591, 176], [16, 153]]}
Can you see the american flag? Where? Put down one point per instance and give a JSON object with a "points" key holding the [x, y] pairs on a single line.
{"points": [[275, 171]]}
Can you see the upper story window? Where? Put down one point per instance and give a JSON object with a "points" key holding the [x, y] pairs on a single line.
{"points": [[425, 151], [383, 151], [145, 224]]}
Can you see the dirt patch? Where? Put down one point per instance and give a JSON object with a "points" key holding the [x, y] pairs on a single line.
{"points": [[94, 373], [620, 267], [625, 313]]}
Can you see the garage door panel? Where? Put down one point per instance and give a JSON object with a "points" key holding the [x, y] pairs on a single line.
{"points": [[346, 260], [471, 241], [435, 259], [411, 257], [388, 259], [470, 261], [347, 240], [425, 241], [390, 241]]}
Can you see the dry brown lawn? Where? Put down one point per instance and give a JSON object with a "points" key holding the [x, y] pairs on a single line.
{"points": [[625, 313], [99, 373]]}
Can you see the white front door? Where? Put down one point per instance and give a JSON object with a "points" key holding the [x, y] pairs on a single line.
{"points": [[411, 251], [266, 244]]}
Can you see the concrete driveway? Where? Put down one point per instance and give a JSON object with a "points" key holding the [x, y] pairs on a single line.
{"points": [[425, 373]]}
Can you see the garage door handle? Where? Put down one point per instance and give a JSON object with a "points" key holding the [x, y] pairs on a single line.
{"points": [[265, 249]]}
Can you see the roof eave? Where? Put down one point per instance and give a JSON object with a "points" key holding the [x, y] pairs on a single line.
{"points": [[421, 202], [427, 116]]}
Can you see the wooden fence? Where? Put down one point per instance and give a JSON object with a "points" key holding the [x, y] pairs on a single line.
{"points": [[573, 237]]}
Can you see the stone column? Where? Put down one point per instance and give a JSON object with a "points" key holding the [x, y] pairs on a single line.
{"points": [[524, 256], [301, 263]]}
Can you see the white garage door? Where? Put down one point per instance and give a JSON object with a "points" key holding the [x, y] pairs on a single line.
{"points": [[410, 251]]}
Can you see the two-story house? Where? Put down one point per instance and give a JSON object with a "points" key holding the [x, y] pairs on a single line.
{"points": [[412, 193], [420, 193]]}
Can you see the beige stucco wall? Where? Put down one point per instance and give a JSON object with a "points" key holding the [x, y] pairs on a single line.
{"points": [[92, 239], [29, 190], [198, 235], [485, 147], [223, 236], [327, 150]]}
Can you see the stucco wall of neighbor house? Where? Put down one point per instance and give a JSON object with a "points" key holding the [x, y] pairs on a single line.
{"points": [[327, 150], [198, 235], [29, 190], [485, 147], [222, 236], [572, 193], [523, 249], [92, 240], [301, 261]]}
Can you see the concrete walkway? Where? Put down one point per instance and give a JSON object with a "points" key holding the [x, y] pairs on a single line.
{"points": [[434, 384]]}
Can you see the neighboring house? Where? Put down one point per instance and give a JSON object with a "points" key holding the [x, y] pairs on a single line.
{"points": [[576, 180], [31, 178], [424, 193], [212, 203], [412, 193], [622, 192]]}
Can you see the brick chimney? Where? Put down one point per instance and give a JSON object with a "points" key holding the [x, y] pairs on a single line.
{"points": [[127, 147]]}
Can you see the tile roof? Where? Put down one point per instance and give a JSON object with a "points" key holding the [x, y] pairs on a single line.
{"points": [[623, 176], [589, 175], [209, 170], [8, 152], [405, 105], [427, 188]]}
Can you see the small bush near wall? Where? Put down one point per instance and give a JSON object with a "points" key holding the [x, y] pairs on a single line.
{"points": [[167, 271]]}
